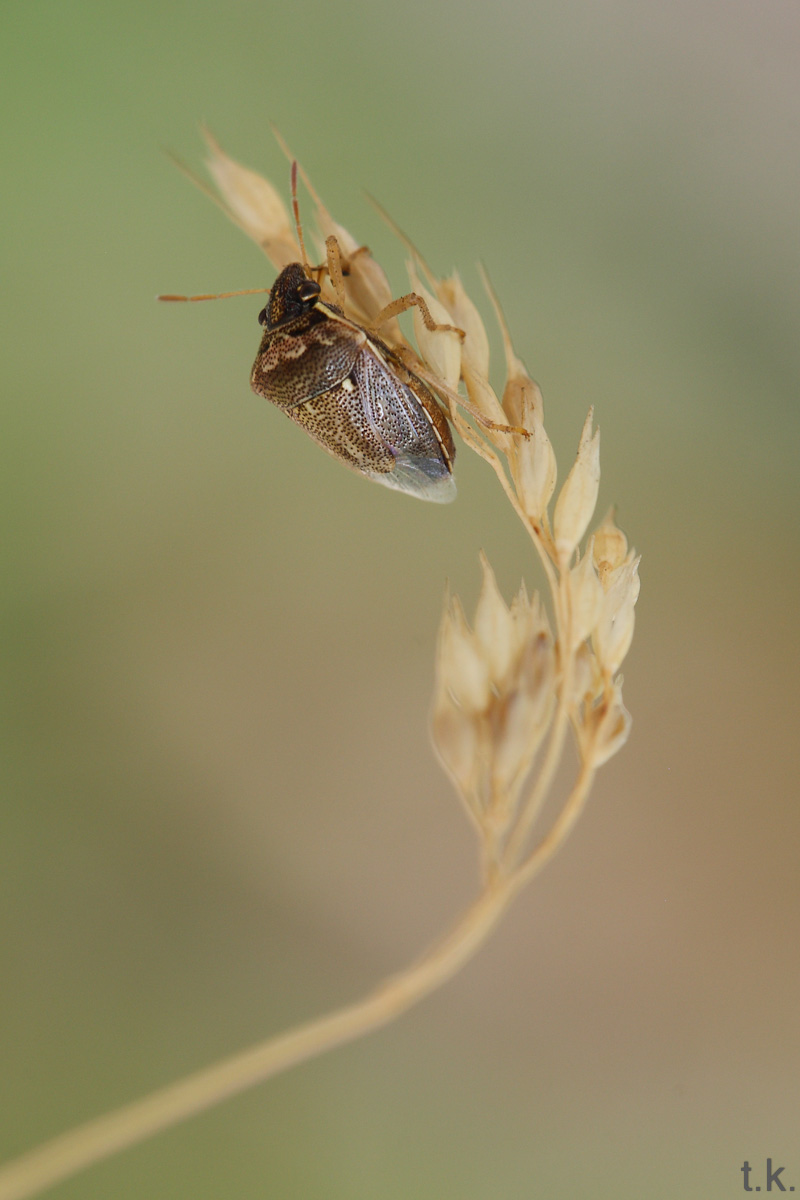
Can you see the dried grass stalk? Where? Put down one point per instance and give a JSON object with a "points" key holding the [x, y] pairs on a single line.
{"points": [[509, 687]]}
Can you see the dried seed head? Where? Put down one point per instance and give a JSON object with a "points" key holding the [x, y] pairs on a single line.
{"points": [[501, 686], [522, 400], [488, 721], [610, 547], [464, 314], [536, 672], [497, 631], [254, 205], [456, 738], [462, 664], [483, 396], [523, 716], [440, 349], [607, 726], [535, 460], [532, 461], [587, 598], [578, 496], [586, 684], [614, 630]]}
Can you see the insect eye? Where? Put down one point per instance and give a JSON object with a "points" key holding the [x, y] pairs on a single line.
{"points": [[262, 317], [308, 291]]}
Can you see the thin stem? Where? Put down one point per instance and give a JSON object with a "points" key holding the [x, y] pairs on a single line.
{"points": [[72, 1152], [493, 459], [541, 549], [562, 827], [64, 1156]]}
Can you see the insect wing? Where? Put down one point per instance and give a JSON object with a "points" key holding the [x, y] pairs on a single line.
{"points": [[422, 456]]}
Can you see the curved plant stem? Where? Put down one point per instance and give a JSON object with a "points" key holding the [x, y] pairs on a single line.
{"points": [[562, 827], [64, 1156], [98, 1139]]}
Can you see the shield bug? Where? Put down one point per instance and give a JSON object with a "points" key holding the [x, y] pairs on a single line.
{"points": [[347, 388], [350, 391]]}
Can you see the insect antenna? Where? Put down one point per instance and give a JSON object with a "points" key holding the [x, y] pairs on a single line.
{"points": [[217, 295], [297, 222]]}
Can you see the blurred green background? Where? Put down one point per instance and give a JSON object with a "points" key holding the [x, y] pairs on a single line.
{"points": [[220, 811]]}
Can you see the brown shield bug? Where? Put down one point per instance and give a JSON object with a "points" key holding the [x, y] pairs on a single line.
{"points": [[349, 390]]}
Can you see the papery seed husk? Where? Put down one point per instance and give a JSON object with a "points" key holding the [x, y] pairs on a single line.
{"points": [[519, 736], [536, 469], [614, 728], [520, 603], [537, 672], [254, 204], [475, 347], [530, 617], [522, 400], [495, 627], [587, 598], [587, 678], [462, 667], [614, 631], [483, 396], [578, 496], [456, 739], [515, 400], [610, 547]]}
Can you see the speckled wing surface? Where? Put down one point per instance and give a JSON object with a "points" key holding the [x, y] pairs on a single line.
{"points": [[422, 447]]}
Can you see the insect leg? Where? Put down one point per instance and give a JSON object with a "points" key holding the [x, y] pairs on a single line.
{"points": [[335, 268], [338, 267], [412, 300]]}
